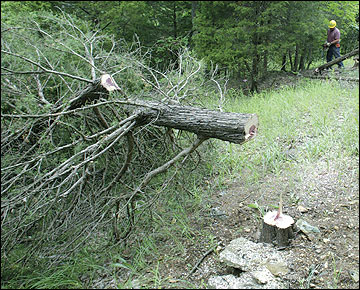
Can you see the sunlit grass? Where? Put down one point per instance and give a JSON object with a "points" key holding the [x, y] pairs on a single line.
{"points": [[311, 119]]}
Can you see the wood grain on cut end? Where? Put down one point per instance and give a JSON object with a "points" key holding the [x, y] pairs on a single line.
{"points": [[251, 127]]}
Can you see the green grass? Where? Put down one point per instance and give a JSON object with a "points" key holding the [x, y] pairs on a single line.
{"points": [[317, 120]]}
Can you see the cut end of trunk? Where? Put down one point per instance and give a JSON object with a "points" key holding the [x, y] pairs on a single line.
{"points": [[283, 221], [251, 127]]}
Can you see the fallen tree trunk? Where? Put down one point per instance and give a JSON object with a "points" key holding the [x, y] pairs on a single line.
{"points": [[335, 61], [233, 127], [227, 126]]}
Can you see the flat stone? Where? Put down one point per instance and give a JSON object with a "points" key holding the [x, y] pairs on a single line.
{"points": [[245, 281], [277, 268], [217, 212], [302, 209], [354, 275], [262, 275], [306, 228], [247, 255]]}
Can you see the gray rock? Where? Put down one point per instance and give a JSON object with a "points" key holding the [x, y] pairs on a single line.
{"points": [[216, 212], [247, 255], [305, 227], [262, 276], [245, 281], [354, 275], [277, 268], [260, 264]]}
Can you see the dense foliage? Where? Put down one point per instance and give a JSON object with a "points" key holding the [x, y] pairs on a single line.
{"points": [[245, 39]]}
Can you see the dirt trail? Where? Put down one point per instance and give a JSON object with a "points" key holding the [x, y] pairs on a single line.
{"points": [[328, 197]]}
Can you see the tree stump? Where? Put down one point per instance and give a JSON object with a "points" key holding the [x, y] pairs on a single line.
{"points": [[277, 229]]}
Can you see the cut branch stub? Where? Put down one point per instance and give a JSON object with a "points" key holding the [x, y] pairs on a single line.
{"points": [[233, 127], [109, 83], [100, 87]]}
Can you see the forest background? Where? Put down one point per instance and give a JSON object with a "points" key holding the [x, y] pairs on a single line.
{"points": [[81, 184], [244, 39]]}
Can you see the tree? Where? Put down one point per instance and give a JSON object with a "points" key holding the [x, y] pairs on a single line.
{"points": [[80, 132]]}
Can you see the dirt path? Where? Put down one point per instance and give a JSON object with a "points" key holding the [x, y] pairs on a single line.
{"points": [[324, 194], [331, 203]]}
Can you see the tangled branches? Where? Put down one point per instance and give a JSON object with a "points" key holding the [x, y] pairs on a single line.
{"points": [[77, 155]]}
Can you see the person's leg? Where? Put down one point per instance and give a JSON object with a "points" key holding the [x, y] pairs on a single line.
{"points": [[329, 55], [336, 53]]}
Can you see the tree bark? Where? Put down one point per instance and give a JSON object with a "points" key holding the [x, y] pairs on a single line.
{"points": [[265, 62], [302, 60], [283, 62], [335, 61], [290, 60], [277, 229], [296, 60], [101, 87], [233, 127], [309, 58], [174, 20]]}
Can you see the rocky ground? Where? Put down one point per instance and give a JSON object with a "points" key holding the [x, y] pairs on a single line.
{"points": [[328, 259]]}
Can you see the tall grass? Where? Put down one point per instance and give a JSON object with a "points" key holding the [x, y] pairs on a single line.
{"points": [[314, 120]]}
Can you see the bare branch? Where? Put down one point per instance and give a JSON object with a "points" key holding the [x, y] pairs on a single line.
{"points": [[45, 69]]}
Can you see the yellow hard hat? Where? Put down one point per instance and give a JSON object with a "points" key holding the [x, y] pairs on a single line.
{"points": [[332, 24]]}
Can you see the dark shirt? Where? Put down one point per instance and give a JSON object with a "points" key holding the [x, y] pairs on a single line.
{"points": [[333, 34]]}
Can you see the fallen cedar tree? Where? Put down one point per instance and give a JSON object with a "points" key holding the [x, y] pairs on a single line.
{"points": [[335, 61], [233, 127], [227, 126]]}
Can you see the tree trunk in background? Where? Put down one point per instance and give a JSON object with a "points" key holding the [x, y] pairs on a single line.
{"points": [[265, 62], [174, 20], [309, 59], [193, 32], [302, 60], [290, 60], [194, 5], [254, 72], [296, 60], [283, 63]]}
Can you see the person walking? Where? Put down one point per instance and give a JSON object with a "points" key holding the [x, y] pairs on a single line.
{"points": [[333, 43]]}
